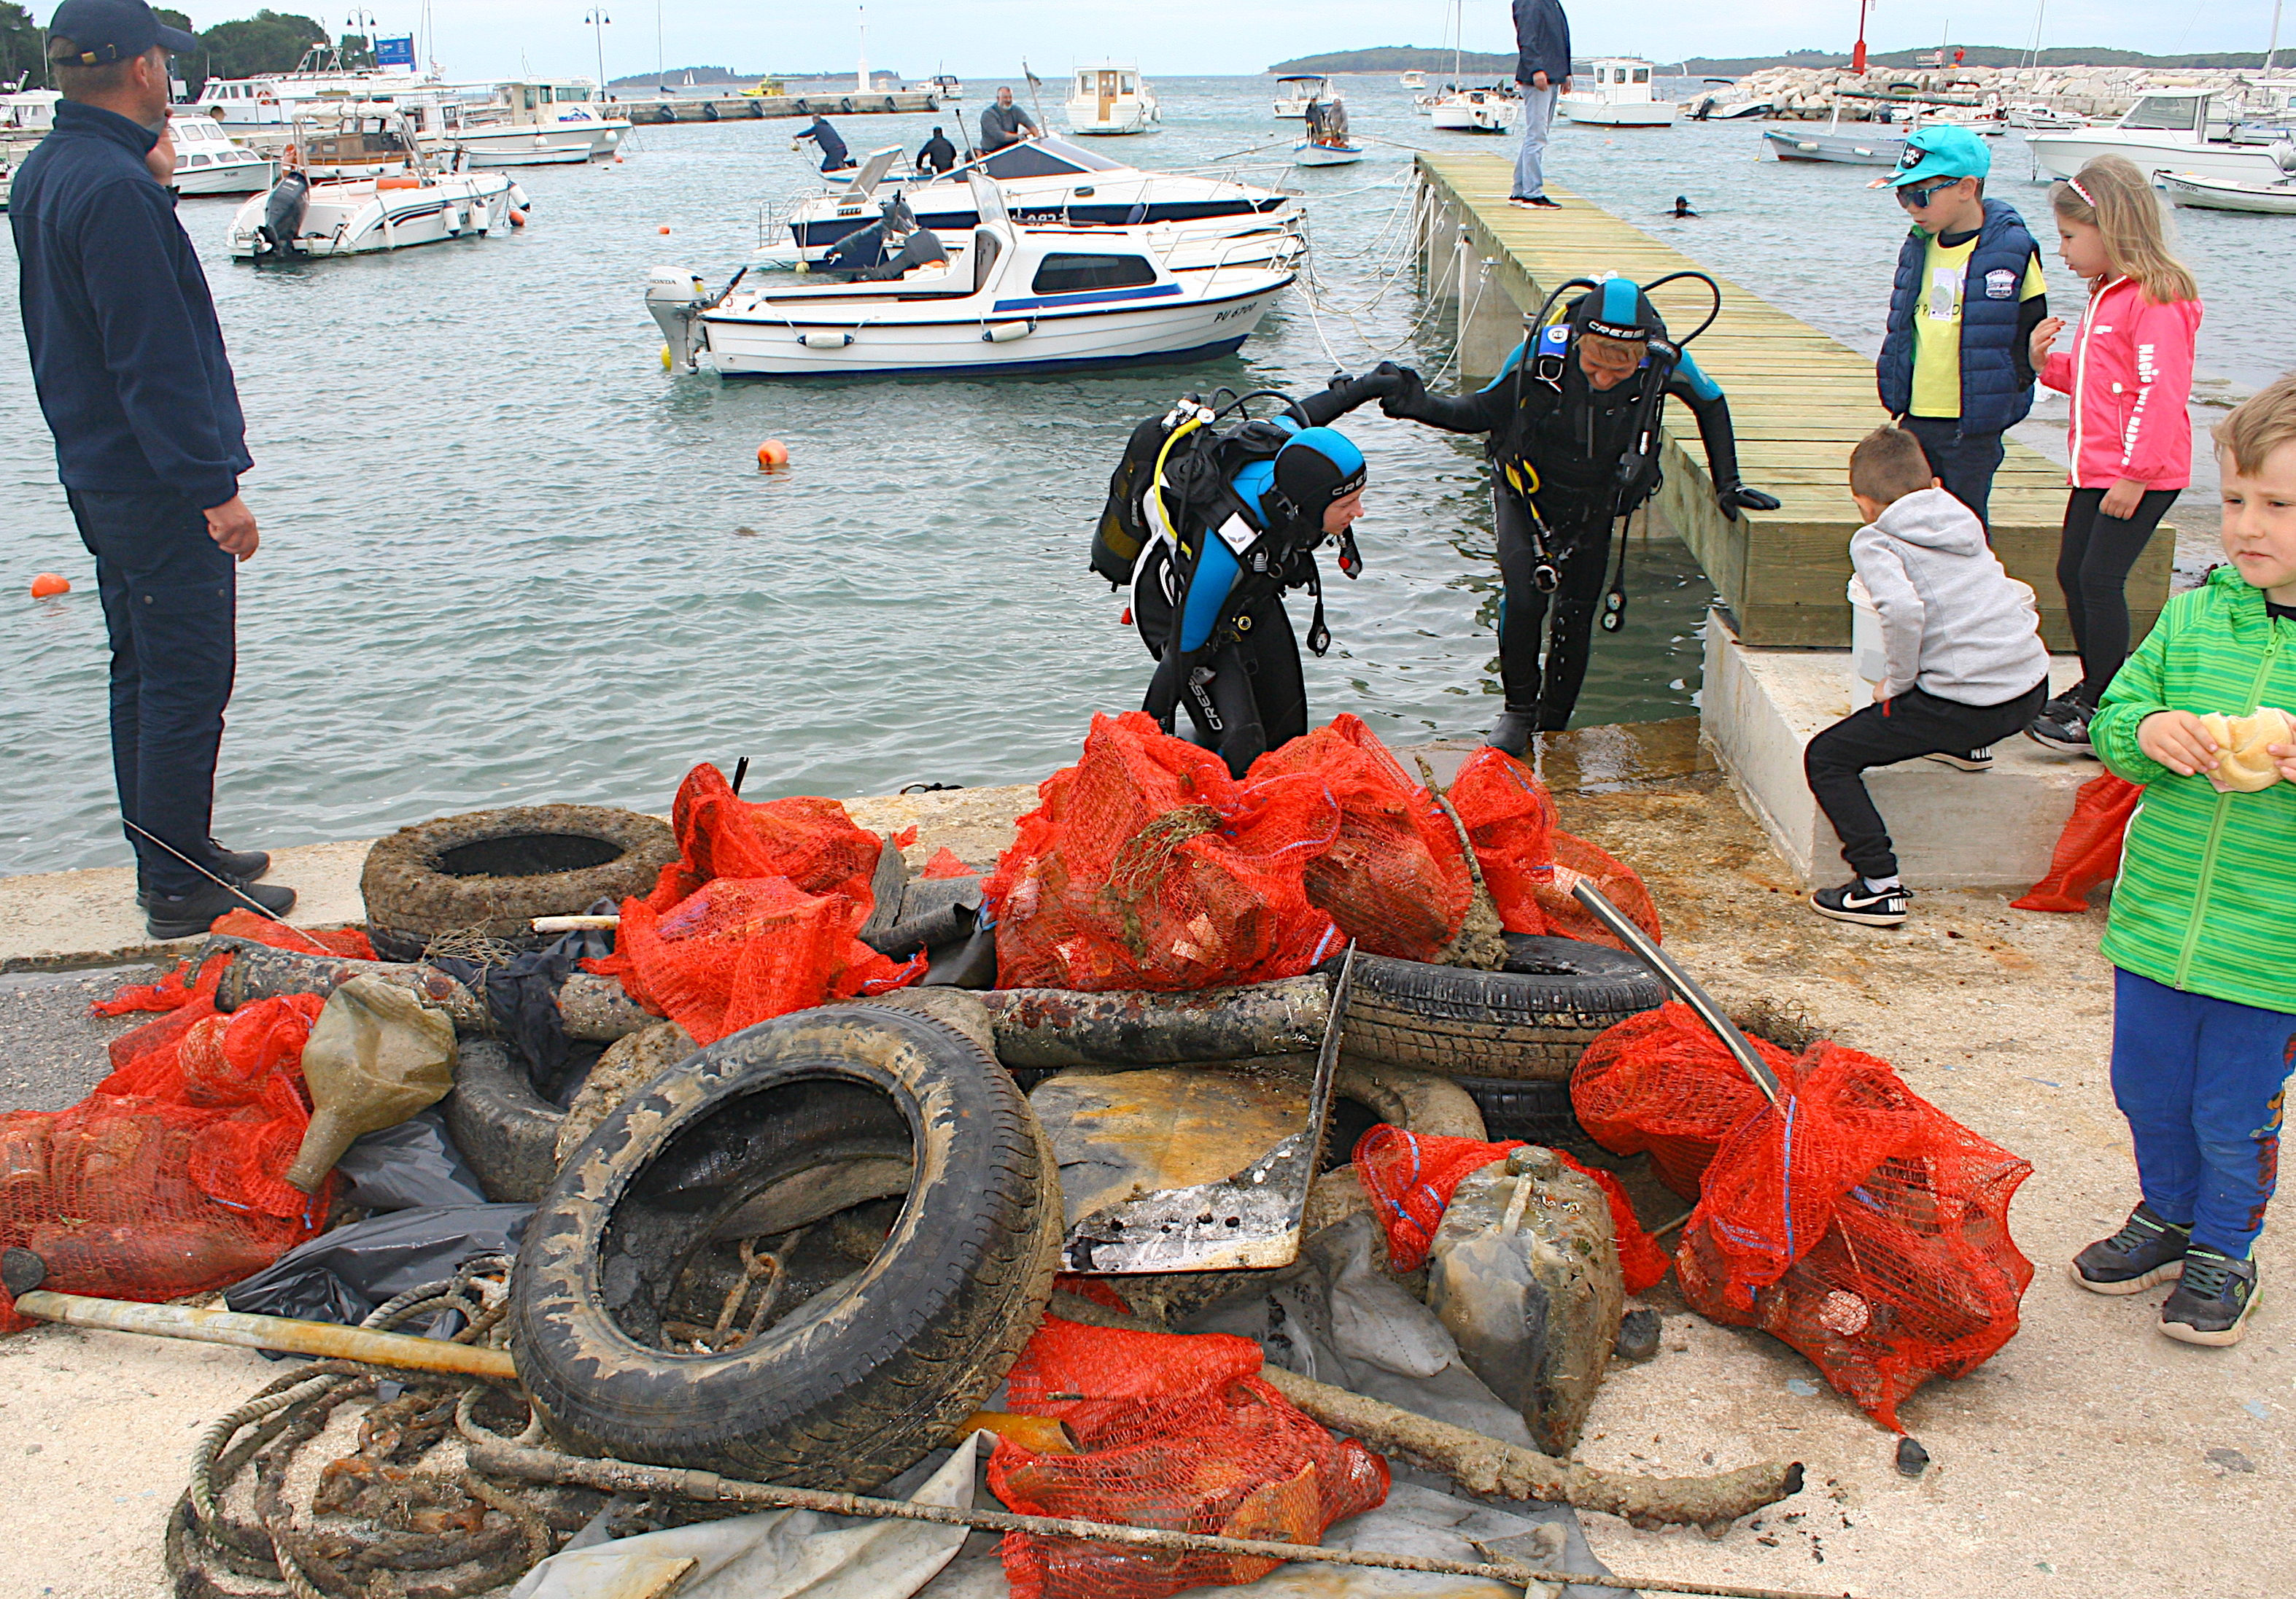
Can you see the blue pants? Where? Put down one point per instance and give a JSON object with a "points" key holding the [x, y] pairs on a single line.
{"points": [[1530, 165], [2201, 1081], [1965, 462], [170, 598]]}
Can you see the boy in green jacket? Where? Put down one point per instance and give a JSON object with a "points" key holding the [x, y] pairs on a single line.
{"points": [[2202, 934]]}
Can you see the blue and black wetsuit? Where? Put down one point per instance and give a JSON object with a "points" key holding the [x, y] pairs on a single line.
{"points": [[1562, 449], [1218, 629]]}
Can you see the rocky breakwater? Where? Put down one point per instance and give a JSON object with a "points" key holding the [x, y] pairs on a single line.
{"points": [[1812, 94]]}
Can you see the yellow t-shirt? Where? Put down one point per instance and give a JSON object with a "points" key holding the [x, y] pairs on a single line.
{"points": [[1937, 323]]}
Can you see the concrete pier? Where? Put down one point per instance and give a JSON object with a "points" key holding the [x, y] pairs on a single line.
{"points": [[742, 108]]}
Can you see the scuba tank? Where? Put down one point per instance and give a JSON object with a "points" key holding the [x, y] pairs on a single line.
{"points": [[1188, 460], [283, 216]]}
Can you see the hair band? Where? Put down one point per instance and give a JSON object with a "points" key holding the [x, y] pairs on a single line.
{"points": [[2074, 184]]}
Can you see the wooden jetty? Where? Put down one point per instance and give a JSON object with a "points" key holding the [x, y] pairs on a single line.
{"points": [[742, 108], [1801, 400]]}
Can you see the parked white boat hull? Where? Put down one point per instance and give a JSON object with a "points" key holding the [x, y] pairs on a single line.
{"points": [[560, 144], [1306, 153], [1649, 113], [1853, 149], [2269, 199], [1181, 246], [2064, 154], [355, 218], [1476, 113], [253, 175]]}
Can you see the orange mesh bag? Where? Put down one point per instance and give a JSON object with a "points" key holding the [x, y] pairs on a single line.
{"points": [[1510, 819], [1147, 866], [1411, 1177], [809, 841], [1176, 1432], [1865, 1227], [169, 1179], [1394, 880], [2088, 850], [1566, 918], [1662, 1082]]}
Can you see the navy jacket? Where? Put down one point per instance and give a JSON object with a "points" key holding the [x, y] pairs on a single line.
{"points": [[1996, 363], [126, 354], [1542, 42]]}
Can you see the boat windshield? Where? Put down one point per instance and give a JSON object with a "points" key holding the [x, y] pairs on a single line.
{"points": [[2177, 112], [1048, 157]]}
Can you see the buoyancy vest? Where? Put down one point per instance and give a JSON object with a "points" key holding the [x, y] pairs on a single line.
{"points": [[1992, 399]]}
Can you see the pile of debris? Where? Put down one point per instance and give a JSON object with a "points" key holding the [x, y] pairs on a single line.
{"points": [[1158, 1182]]}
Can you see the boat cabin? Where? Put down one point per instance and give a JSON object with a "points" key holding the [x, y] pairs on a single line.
{"points": [[2193, 112], [1622, 79]]}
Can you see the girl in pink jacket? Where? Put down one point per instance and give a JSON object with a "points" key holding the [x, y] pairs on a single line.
{"points": [[2130, 373]]}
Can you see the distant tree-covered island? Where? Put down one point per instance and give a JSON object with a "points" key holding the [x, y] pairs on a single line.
{"points": [[1397, 58]]}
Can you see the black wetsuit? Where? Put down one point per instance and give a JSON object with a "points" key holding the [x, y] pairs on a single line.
{"points": [[939, 155], [1563, 441], [921, 247], [834, 157]]}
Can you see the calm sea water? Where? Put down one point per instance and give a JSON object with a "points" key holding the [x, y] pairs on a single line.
{"points": [[507, 558]]}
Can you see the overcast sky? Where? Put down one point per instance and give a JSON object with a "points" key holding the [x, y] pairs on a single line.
{"points": [[986, 39]]}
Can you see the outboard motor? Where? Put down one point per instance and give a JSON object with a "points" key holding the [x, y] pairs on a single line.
{"points": [[282, 217], [677, 299]]}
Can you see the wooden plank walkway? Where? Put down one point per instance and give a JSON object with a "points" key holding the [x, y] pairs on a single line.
{"points": [[1798, 397]]}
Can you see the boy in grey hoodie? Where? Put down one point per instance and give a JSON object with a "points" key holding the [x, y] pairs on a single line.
{"points": [[1966, 662]]}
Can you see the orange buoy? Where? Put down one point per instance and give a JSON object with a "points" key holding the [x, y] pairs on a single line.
{"points": [[665, 227], [517, 218], [48, 584], [773, 454]]}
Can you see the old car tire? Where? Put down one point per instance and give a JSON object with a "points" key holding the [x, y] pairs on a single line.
{"points": [[1530, 1021], [1534, 1112], [508, 1133], [492, 872], [861, 1387]]}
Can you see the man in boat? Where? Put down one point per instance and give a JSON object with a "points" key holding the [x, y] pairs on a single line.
{"points": [[1542, 38], [129, 364], [1245, 523], [938, 156], [1571, 426], [834, 158], [1001, 123], [1328, 124]]}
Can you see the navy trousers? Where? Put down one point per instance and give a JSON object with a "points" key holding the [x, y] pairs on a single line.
{"points": [[2201, 1081], [170, 598], [1964, 463]]}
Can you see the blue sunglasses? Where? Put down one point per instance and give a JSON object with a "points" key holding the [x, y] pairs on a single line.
{"points": [[1914, 197]]}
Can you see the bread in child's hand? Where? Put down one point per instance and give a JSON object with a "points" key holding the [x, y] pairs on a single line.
{"points": [[2244, 762]]}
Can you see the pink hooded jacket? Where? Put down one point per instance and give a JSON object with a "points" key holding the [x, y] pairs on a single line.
{"points": [[2129, 375]]}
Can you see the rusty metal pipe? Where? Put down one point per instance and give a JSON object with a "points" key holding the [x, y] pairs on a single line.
{"points": [[279, 1332]]}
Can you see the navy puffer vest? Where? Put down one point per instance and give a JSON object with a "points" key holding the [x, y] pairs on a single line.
{"points": [[1992, 398]]}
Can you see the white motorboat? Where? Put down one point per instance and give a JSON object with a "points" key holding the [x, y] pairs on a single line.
{"points": [[1491, 110], [1619, 95], [540, 123], [1327, 143], [207, 162], [1414, 80], [303, 215], [1042, 182], [1294, 95], [943, 86], [2037, 116], [2184, 131], [2220, 194], [267, 104], [1016, 299], [1111, 99], [26, 116]]}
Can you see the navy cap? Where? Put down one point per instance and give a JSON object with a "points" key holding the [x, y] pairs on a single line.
{"points": [[115, 30]]}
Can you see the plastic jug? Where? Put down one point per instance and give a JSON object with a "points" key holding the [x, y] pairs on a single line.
{"points": [[377, 1054]]}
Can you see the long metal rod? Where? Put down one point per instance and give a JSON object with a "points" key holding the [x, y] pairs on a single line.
{"points": [[546, 1465], [283, 1333], [1640, 943]]}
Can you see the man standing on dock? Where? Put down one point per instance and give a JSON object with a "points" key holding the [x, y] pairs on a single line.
{"points": [[129, 363], [1542, 38], [1001, 123]]}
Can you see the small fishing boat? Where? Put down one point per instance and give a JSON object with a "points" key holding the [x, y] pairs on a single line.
{"points": [[1414, 80], [1849, 149], [540, 123], [1490, 110], [1327, 143], [943, 86], [2228, 194], [305, 214], [1110, 99], [1619, 95], [207, 162], [2037, 116], [1294, 95], [1015, 300]]}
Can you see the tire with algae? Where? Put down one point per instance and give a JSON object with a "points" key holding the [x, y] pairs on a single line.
{"points": [[492, 872], [867, 1377], [1530, 1021]]}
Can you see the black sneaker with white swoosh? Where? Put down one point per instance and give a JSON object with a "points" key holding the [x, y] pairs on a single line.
{"points": [[1853, 901]]}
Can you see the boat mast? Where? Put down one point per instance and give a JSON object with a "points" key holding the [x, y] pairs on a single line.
{"points": [[1458, 27], [2272, 49], [861, 72]]}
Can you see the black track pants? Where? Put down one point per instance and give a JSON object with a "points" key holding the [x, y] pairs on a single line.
{"points": [[1889, 731], [2093, 566], [1582, 549]]}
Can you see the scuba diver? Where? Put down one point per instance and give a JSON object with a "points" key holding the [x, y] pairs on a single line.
{"points": [[834, 158], [1572, 421], [1216, 532], [938, 155]]}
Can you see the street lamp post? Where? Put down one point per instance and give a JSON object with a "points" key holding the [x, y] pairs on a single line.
{"points": [[362, 20], [597, 20]]}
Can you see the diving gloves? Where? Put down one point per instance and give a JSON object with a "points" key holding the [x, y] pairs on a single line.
{"points": [[1733, 495]]}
